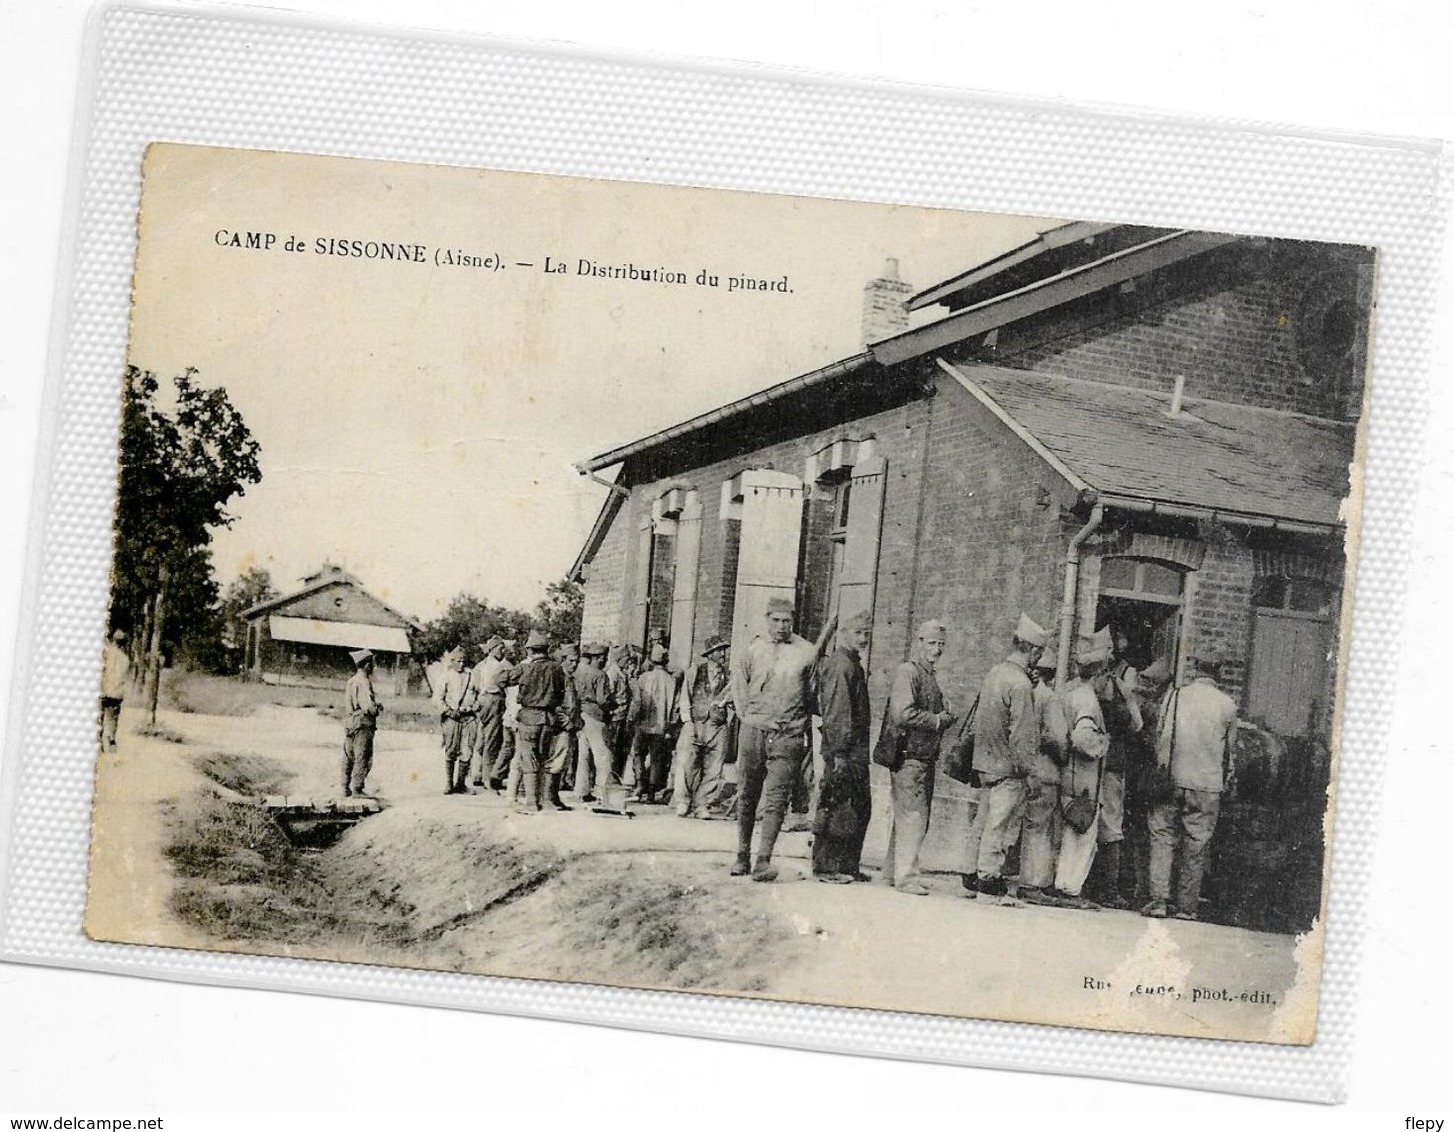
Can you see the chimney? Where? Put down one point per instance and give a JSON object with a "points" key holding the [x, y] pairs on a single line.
{"points": [[1176, 395], [885, 304]]}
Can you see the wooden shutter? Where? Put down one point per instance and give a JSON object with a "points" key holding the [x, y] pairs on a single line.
{"points": [[641, 586], [684, 586], [767, 562], [1289, 669], [859, 573]]}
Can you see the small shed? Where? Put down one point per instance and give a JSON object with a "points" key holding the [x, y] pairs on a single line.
{"points": [[305, 637]]}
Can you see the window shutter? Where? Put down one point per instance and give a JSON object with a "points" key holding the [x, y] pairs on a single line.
{"points": [[684, 586], [767, 564], [641, 593], [859, 574]]}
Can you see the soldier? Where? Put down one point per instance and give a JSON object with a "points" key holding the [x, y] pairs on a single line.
{"points": [[455, 695], [619, 671], [1194, 740], [1083, 775], [915, 719], [115, 670], [655, 707], [1006, 749], [489, 677], [567, 727], [845, 802], [362, 710], [772, 688], [541, 685], [505, 766], [1121, 709], [1040, 836], [1152, 684], [595, 693], [707, 732]]}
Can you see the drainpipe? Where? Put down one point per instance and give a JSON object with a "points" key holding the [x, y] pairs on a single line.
{"points": [[1072, 587]]}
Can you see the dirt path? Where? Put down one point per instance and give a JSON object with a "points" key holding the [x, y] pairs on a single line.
{"points": [[795, 939]]}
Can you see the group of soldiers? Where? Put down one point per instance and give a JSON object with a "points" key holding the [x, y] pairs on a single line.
{"points": [[1065, 775]]}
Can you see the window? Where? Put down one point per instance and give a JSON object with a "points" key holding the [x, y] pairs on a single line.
{"points": [[1141, 580], [1294, 595]]}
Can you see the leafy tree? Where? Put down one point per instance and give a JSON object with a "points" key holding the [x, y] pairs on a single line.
{"points": [[470, 622], [561, 611], [181, 464]]}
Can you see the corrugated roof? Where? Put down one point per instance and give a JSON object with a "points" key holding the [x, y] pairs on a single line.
{"points": [[1215, 455]]}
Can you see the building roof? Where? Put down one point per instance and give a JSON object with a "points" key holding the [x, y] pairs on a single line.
{"points": [[1037, 255], [365, 609], [743, 405], [1215, 455]]}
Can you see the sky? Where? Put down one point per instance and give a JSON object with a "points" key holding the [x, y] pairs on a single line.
{"points": [[419, 420]]}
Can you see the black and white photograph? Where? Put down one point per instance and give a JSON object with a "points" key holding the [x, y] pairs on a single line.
{"points": [[712, 591]]}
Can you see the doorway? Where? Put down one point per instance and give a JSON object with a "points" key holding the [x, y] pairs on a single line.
{"points": [[1142, 599]]}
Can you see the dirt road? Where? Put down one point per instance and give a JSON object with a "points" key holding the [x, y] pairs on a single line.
{"points": [[647, 901]]}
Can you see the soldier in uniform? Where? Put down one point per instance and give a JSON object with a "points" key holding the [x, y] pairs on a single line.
{"points": [[845, 802], [595, 693], [1194, 740], [567, 728], [455, 696], [655, 711], [619, 671], [489, 677], [1006, 750], [1084, 770], [915, 720], [772, 688], [1040, 836], [362, 710], [541, 691], [707, 732]]}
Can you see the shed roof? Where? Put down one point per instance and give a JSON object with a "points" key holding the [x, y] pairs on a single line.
{"points": [[366, 609], [1214, 455]]}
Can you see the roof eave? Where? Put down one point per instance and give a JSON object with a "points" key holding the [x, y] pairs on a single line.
{"points": [[833, 370]]}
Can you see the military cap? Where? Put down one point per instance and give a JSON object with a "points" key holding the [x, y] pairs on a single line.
{"points": [[593, 648], [1157, 672], [715, 643], [537, 640], [932, 631], [1048, 660], [1095, 648], [1031, 632], [360, 655]]}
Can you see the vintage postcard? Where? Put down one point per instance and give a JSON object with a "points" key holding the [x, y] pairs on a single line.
{"points": [[660, 587]]}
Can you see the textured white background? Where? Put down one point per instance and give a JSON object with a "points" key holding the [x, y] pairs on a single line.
{"points": [[90, 1041]]}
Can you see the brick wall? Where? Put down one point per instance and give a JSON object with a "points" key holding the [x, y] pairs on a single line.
{"points": [[993, 543], [604, 583], [1235, 344], [1221, 610]]}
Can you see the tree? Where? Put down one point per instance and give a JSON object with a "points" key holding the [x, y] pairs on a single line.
{"points": [[561, 611], [181, 464], [470, 622], [252, 587]]}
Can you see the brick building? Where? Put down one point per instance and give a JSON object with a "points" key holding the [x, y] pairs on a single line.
{"points": [[1110, 423]]}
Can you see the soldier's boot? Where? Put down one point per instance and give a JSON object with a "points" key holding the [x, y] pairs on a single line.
{"points": [[530, 802], [1110, 893], [449, 776], [553, 793], [462, 776]]}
